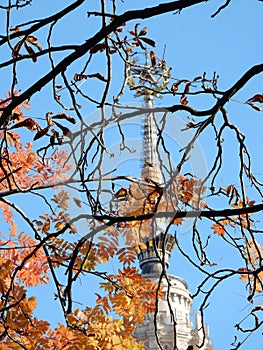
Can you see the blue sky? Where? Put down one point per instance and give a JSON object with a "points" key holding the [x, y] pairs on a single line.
{"points": [[195, 43]]}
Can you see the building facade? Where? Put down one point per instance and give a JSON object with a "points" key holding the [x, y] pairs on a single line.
{"points": [[171, 327]]}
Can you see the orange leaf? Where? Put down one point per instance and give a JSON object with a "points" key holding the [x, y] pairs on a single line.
{"points": [[123, 192], [219, 229], [228, 189], [184, 101], [46, 226], [31, 39]]}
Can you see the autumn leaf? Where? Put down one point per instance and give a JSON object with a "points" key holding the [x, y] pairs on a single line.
{"points": [[257, 108], [33, 41], [123, 192], [78, 202], [41, 133], [46, 226], [256, 98], [66, 131], [218, 229], [61, 199], [30, 52], [49, 118], [153, 58], [31, 38], [98, 48], [143, 31], [148, 41], [184, 101], [16, 49], [229, 189], [59, 226], [28, 123]]}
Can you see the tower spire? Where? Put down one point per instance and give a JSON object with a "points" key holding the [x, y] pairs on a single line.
{"points": [[151, 169], [156, 257], [172, 323]]}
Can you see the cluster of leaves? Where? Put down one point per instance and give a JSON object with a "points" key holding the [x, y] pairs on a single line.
{"points": [[28, 42], [252, 251], [138, 38], [26, 261], [23, 171], [253, 273], [148, 197], [55, 136]]}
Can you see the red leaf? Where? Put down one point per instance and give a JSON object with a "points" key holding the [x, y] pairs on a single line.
{"points": [[131, 32], [187, 88], [228, 189]]}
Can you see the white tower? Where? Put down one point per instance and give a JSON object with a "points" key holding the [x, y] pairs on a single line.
{"points": [[170, 328]]}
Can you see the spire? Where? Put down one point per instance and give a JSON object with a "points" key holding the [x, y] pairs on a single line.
{"points": [[151, 169], [171, 323], [156, 257]]}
